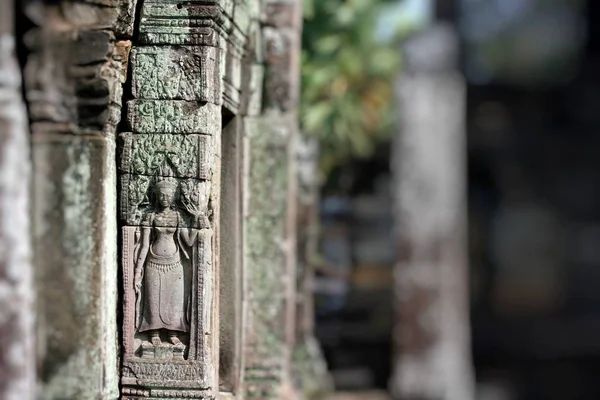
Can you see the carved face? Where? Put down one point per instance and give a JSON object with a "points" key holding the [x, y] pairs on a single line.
{"points": [[166, 196]]}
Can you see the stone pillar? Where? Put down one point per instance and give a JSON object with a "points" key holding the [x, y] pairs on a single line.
{"points": [[270, 224], [169, 202], [182, 160], [73, 78], [17, 353], [310, 374], [432, 329]]}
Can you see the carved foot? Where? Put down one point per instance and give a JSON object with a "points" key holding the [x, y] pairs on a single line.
{"points": [[155, 338], [178, 347], [174, 339]]}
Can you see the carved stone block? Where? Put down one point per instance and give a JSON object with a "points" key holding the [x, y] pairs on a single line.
{"points": [[140, 196], [165, 336], [191, 23], [85, 65], [188, 156], [118, 14], [173, 116], [188, 73], [159, 394]]}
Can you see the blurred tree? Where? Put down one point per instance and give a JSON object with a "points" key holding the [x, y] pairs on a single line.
{"points": [[347, 75]]}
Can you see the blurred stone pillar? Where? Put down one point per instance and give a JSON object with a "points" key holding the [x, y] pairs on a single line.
{"points": [[269, 234], [310, 373], [74, 75], [432, 333], [17, 355]]}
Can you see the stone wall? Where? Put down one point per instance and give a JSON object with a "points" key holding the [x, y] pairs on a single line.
{"points": [[156, 122]]}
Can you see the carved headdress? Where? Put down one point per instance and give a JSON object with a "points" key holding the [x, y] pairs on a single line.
{"points": [[165, 179]]}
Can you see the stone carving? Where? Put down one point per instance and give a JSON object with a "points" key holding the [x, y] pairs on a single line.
{"points": [[144, 154], [167, 197], [173, 116], [170, 394], [176, 73], [162, 290], [164, 261], [193, 22], [189, 156], [163, 277], [137, 199]]}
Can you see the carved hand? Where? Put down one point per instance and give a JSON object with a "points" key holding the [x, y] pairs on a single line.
{"points": [[193, 210], [138, 280]]}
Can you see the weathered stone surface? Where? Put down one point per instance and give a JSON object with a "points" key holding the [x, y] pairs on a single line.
{"points": [[269, 91], [146, 154], [174, 22], [233, 75], [75, 257], [242, 17], [310, 375], [265, 232], [255, 91], [73, 78], [138, 198], [281, 68], [231, 261], [234, 66], [173, 116], [188, 156], [158, 394], [117, 14], [309, 372], [165, 365], [188, 73], [432, 354], [170, 183], [17, 330]]}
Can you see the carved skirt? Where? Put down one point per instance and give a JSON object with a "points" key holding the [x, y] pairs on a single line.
{"points": [[164, 305]]}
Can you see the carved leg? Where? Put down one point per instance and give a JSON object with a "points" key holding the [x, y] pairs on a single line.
{"points": [[155, 338]]}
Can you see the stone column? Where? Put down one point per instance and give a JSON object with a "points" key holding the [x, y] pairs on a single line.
{"points": [[17, 354], [192, 86], [270, 224], [73, 80], [432, 329], [310, 374], [169, 201]]}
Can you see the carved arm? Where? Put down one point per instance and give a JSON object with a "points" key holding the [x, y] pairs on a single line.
{"points": [[143, 253], [189, 236]]}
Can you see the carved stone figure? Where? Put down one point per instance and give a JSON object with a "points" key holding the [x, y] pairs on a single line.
{"points": [[162, 283]]}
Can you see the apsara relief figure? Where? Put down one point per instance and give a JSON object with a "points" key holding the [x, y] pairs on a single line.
{"points": [[162, 263]]}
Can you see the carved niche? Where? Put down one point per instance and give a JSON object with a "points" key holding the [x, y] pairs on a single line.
{"points": [[166, 253]]}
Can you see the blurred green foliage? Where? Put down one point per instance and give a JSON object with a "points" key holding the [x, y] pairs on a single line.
{"points": [[347, 78]]}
